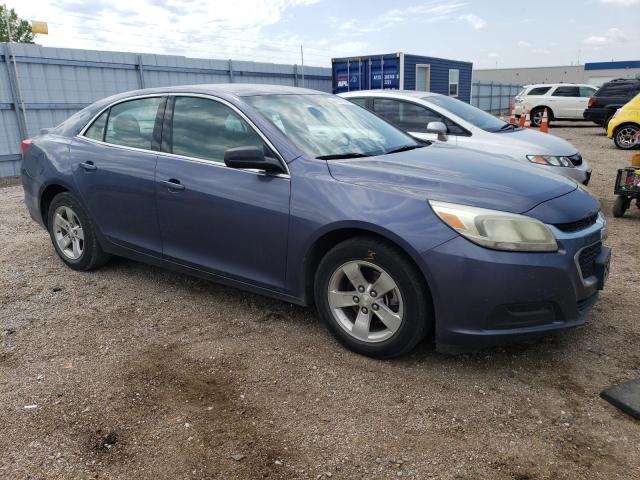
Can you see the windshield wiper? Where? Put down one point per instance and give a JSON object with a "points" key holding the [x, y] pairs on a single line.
{"points": [[507, 125], [404, 148], [338, 156]]}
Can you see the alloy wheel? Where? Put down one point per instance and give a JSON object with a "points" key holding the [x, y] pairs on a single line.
{"points": [[365, 301], [627, 137], [68, 232]]}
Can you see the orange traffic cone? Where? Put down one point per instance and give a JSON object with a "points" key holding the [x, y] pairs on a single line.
{"points": [[527, 121], [512, 117], [544, 124], [501, 117], [521, 120]]}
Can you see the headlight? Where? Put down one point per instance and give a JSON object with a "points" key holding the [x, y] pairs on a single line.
{"points": [[550, 160], [496, 229]]}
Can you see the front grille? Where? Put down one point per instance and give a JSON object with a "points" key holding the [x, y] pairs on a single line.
{"points": [[576, 159], [587, 259], [581, 224]]}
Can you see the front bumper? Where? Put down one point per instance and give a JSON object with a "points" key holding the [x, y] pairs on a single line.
{"points": [[485, 297]]}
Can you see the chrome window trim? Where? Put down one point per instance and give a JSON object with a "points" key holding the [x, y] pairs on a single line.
{"points": [[81, 134]]}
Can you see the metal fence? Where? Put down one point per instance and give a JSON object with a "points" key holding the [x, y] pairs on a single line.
{"points": [[41, 86], [493, 97]]}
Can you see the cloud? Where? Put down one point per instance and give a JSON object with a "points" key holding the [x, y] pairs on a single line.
{"points": [[241, 29], [543, 51], [522, 43], [622, 3], [494, 55], [613, 35], [473, 20]]}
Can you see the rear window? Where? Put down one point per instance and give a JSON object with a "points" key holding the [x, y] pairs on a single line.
{"points": [[538, 91], [621, 89]]}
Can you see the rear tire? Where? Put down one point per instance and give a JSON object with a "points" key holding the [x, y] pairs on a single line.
{"points": [[381, 324], [626, 136], [620, 206], [536, 116], [73, 235]]}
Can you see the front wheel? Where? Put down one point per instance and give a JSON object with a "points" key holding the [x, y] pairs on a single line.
{"points": [[626, 137], [73, 235], [372, 298], [536, 117]]}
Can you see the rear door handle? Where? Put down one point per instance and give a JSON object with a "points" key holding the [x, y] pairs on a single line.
{"points": [[88, 165], [173, 184]]}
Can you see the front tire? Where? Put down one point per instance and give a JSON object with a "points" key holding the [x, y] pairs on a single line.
{"points": [[626, 136], [73, 235], [372, 298]]}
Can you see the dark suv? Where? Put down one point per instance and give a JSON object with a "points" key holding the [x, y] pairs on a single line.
{"points": [[609, 97]]}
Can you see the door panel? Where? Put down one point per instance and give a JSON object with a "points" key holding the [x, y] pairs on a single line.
{"points": [[229, 221], [232, 222], [117, 182]]}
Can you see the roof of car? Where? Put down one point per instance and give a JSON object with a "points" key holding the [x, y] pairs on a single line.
{"points": [[221, 90], [390, 93], [535, 85]]}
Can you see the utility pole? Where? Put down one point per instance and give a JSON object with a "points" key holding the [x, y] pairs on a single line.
{"points": [[302, 62], [7, 18]]}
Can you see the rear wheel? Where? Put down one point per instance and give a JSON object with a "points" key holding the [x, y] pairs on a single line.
{"points": [[626, 136], [73, 235], [372, 298], [536, 116], [620, 206]]}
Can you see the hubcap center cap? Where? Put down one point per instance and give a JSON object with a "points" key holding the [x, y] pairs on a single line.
{"points": [[366, 299]]}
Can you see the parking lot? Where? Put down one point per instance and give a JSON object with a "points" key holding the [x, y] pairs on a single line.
{"points": [[135, 372]]}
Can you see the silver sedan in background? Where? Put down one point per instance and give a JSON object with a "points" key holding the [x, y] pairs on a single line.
{"points": [[439, 118]]}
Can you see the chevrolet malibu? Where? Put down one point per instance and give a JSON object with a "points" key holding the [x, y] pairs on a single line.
{"points": [[308, 198]]}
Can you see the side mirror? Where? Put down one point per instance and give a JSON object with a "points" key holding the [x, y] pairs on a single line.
{"points": [[439, 128], [251, 157]]}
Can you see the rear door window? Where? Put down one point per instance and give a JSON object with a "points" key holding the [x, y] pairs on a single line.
{"points": [[204, 128], [359, 101], [566, 92], [131, 123]]}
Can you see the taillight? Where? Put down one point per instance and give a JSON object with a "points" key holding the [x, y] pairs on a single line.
{"points": [[592, 102], [24, 145]]}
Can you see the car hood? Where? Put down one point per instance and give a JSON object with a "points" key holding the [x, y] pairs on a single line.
{"points": [[535, 143], [455, 175]]}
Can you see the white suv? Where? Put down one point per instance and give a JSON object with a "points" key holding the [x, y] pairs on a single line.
{"points": [[564, 101]]}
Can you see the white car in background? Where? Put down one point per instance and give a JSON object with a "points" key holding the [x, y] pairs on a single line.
{"points": [[446, 120], [564, 101]]}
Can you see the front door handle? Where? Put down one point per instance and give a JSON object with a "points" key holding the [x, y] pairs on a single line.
{"points": [[173, 184], [88, 165]]}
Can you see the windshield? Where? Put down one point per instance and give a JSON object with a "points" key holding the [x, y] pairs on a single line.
{"points": [[326, 126], [471, 114]]}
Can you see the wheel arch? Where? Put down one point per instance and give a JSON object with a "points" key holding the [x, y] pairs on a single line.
{"points": [[48, 193], [625, 124], [336, 234], [542, 107]]}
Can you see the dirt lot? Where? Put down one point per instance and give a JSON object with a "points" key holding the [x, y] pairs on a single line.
{"points": [[133, 372]]}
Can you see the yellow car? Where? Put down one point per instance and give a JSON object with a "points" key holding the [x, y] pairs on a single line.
{"points": [[624, 126]]}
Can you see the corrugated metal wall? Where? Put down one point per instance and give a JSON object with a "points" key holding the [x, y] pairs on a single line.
{"points": [[494, 97], [53, 83], [439, 81]]}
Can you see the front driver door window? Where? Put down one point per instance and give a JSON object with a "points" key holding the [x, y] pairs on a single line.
{"points": [[412, 118], [232, 222]]}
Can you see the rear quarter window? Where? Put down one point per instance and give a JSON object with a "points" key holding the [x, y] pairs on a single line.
{"points": [[538, 91]]}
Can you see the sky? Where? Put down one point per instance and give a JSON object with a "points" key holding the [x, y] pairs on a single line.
{"points": [[489, 33]]}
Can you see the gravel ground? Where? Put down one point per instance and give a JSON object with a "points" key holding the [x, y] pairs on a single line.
{"points": [[132, 372]]}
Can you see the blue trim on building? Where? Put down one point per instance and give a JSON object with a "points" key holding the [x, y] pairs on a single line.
{"points": [[612, 65]]}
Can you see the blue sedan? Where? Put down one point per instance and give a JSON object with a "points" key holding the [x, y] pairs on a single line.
{"points": [[308, 198]]}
